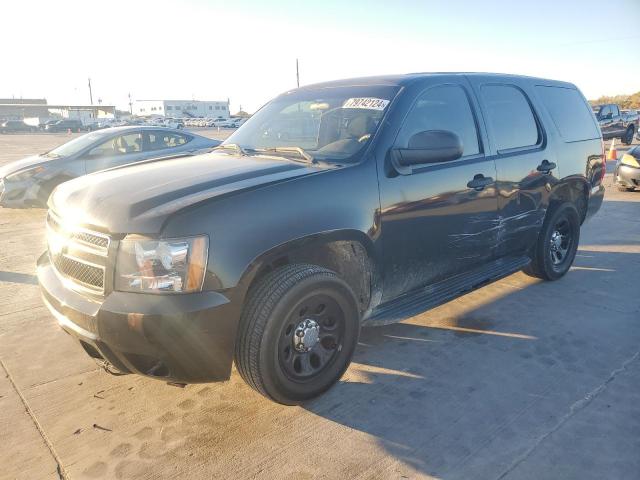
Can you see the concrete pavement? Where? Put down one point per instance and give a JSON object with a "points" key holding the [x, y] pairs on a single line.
{"points": [[520, 380]]}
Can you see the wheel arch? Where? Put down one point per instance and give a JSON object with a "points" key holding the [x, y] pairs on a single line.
{"points": [[349, 253], [573, 190]]}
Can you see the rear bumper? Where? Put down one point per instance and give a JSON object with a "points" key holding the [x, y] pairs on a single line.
{"points": [[180, 338], [627, 176]]}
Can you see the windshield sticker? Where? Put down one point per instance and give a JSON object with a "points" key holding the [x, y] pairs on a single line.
{"points": [[366, 103]]}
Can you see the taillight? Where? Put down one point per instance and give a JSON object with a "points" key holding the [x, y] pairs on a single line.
{"points": [[604, 162]]}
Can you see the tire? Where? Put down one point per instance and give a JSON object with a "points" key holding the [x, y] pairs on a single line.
{"points": [[299, 302], [627, 139], [622, 188], [560, 233]]}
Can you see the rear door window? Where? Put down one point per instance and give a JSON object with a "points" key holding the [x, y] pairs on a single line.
{"points": [[510, 120], [569, 112], [160, 140], [445, 107]]}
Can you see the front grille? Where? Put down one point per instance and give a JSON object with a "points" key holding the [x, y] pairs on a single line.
{"points": [[87, 275], [78, 254], [92, 239]]}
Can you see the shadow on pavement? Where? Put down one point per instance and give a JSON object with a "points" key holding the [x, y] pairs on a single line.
{"points": [[14, 277], [464, 396]]}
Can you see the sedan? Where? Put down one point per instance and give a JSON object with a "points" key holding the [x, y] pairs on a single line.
{"points": [[627, 173], [29, 182]]}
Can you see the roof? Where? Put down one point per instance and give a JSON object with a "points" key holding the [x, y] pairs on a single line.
{"points": [[404, 79]]}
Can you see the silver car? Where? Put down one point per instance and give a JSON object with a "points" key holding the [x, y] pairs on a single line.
{"points": [[29, 182]]}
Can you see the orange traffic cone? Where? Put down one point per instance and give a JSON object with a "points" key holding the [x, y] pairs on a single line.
{"points": [[613, 154]]}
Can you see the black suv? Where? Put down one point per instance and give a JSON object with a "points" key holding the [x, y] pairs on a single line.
{"points": [[64, 126], [274, 250]]}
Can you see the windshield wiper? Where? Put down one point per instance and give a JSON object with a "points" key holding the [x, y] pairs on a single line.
{"points": [[297, 150], [232, 146]]}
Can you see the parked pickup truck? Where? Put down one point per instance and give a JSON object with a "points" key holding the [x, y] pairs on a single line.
{"points": [[617, 124], [272, 251]]}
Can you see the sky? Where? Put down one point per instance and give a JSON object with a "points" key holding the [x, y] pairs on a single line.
{"points": [[245, 51]]}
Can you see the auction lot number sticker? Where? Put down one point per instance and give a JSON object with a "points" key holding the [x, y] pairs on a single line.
{"points": [[366, 103]]}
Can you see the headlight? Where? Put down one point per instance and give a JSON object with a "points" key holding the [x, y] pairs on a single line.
{"points": [[159, 266], [630, 160], [24, 174]]}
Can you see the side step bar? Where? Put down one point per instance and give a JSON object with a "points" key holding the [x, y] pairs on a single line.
{"points": [[425, 298]]}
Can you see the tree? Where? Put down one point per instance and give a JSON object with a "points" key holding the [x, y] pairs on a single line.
{"points": [[625, 101]]}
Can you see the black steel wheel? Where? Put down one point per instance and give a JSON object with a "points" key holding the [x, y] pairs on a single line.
{"points": [[297, 334], [557, 243], [560, 242], [311, 336]]}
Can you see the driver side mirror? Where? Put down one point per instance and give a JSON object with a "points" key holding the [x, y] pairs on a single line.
{"points": [[429, 146]]}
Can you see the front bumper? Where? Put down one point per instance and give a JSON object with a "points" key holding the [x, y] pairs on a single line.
{"points": [[627, 175], [23, 194], [186, 338]]}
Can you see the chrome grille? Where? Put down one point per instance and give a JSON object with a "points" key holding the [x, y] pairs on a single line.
{"points": [[85, 274], [78, 254]]}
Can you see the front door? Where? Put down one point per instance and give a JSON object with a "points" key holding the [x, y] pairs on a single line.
{"points": [[525, 163], [117, 151], [437, 221]]}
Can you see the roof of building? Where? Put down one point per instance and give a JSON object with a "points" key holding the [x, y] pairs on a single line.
{"points": [[42, 105]]}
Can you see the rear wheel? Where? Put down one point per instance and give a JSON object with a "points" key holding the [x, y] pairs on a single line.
{"points": [[297, 334], [627, 139], [557, 243]]}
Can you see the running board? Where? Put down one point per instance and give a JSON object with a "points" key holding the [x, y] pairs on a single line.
{"points": [[423, 299]]}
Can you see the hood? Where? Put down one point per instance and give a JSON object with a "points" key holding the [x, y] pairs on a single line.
{"points": [[139, 198], [13, 167]]}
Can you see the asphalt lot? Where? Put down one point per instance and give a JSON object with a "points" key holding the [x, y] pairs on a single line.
{"points": [[520, 380]]}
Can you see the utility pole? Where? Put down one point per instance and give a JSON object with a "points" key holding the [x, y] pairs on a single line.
{"points": [[90, 93], [130, 105], [297, 74]]}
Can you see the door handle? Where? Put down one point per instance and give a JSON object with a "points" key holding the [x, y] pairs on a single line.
{"points": [[479, 182], [546, 166]]}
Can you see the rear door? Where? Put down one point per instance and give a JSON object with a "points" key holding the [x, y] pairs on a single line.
{"points": [[159, 143], [525, 162], [117, 151], [433, 223]]}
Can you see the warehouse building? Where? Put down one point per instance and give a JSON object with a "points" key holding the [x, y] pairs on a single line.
{"points": [[181, 108], [35, 110]]}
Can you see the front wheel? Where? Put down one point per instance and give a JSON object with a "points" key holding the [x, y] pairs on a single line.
{"points": [[557, 243], [297, 334]]}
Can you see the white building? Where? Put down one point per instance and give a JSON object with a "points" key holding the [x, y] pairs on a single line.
{"points": [[180, 108]]}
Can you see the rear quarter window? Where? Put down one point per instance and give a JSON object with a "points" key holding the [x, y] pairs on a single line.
{"points": [[569, 112]]}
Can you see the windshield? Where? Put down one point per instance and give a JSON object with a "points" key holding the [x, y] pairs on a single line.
{"points": [[326, 123], [77, 144]]}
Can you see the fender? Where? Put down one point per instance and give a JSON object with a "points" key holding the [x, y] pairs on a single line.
{"points": [[351, 253]]}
